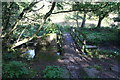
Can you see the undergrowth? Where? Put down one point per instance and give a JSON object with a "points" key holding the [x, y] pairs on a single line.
{"points": [[53, 72], [17, 69], [101, 36]]}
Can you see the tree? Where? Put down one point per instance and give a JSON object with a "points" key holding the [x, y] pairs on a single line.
{"points": [[6, 7], [103, 12], [25, 10], [83, 8], [99, 9], [75, 17], [44, 20], [84, 19]]}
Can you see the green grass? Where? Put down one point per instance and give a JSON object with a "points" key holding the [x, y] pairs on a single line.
{"points": [[66, 28], [109, 53], [100, 36], [103, 53]]}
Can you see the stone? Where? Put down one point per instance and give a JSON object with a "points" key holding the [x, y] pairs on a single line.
{"points": [[72, 67], [72, 60], [92, 72], [115, 68], [58, 53], [51, 37], [77, 59], [61, 61], [29, 54], [66, 61]]}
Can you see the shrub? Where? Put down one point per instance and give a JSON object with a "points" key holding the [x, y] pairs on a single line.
{"points": [[53, 72], [10, 56], [15, 69]]}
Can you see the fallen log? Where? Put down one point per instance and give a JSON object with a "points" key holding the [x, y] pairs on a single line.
{"points": [[21, 42]]}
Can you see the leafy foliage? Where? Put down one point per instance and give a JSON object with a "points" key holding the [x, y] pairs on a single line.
{"points": [[107, 7], [9, 56], [75, 16], [101, 10], [28, 32], [83, 6], [51, 28], [15, 69], [10, 13], [53, 72]]}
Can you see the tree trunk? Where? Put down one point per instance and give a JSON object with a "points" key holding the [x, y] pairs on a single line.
{"points": [[49, 12], [77, 20], [84, 19], [99, 22], [6, 15], [77, 23]]}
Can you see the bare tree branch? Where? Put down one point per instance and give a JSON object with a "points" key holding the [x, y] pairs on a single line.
{"points": [[46, 16], [88, 10], [50, 11], [39, 8]]}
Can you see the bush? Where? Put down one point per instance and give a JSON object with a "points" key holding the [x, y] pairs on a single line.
{"points": [[53, 72], [10, 56], [15, 69]]}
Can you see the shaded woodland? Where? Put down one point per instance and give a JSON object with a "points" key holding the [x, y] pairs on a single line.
{"points": [[60, 40]]}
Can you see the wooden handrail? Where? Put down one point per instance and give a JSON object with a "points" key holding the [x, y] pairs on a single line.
{"points": [[78, 37], [79, 41]]}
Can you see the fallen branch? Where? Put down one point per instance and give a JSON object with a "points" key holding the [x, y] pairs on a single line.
{"points": [[38, 9], [71, 11], [21, 42], [21, 34]]}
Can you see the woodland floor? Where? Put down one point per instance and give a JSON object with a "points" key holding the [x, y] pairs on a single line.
{"points": [[79, 66]]}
